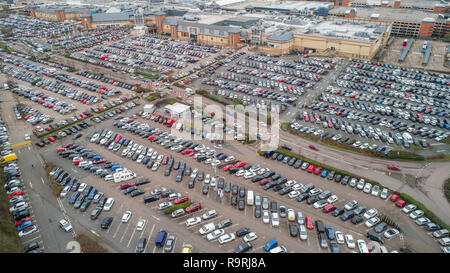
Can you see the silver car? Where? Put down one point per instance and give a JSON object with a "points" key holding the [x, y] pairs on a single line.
{"points": [[303, 234]]}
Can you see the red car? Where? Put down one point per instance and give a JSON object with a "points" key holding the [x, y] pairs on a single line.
{"points": [[401, 203], [187, 151], [311, 146], [329, 208], [151, 137], [126, 185], [77, 162], [16, 193], [240, 164], [394, 197], [20, 222], [318, 170], [68, 145], [118, 138], [311, 168], [60, 150], [180, 200], [165, 159], [392, 167], [194, 207], [99, 161], [226, 168], [51, 139], [264, 181], [309, 222]]}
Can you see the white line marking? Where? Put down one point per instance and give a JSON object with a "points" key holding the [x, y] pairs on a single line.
{"points": [[128, 245], [42, 179], [31, 185], [155, 217], [124, 233]]}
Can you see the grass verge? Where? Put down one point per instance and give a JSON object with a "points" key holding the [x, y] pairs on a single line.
{"points": [[427, 212], [8, 233], [447, 189], [179, 206], [90, 245], [56, 188]]}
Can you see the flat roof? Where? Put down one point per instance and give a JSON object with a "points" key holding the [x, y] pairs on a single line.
{"points": [[387, 13], [358, 31], [409, 3], [299, 5]]}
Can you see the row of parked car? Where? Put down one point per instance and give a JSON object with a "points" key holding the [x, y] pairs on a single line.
{"points": [[23, 26], [101, 77], [14, 188], [89, 39]]}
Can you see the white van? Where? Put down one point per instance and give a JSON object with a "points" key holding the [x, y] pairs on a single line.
{"points": [[123, 176], [278, 249], [250, 198]]}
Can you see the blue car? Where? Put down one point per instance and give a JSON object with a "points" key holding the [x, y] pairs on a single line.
{"points": [[74, 198], [324, 173], [115, 167], [330, 233], [122, 140], [270, 245], [88, 167], [95, 158], [25, 225], [92, 194], [145, 160]]}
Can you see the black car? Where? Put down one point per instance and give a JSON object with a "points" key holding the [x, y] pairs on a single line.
{"points": [[95, 213], [242, 232], [141, 245], [142, 181], [312, 199], [30, 247], [338, 178], [338, 212], [234, 189], [191, 182], [334, 246], [347, 215], [233, 200], [257, 211], [302, 197], [380, 227], [242, 192], [241, 204], [106, 222], [151, 198], [243, 247], [205, 189], [136, 193], [273, 206], [293, 230], [375, 237], [357, 219]]}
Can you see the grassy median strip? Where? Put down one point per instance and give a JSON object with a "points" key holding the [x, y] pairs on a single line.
{"points": [[178, 206], [8, 233]]}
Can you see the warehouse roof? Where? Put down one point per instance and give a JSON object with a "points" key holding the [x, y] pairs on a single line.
{"points": [[111, 17], [387, 13], [281, 37]]}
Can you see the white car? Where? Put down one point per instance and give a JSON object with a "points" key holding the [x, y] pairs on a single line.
{"points": [[207, 179], [213, 182], [64, 192], [416, 214], [384, 193], [360, 185], [27, 231], [126, 216], [215, 234], [226, 238], [265, 217], [320, 204], [362, 246], [141, 224], [207, 228], [193, 221], [391, 233], [164, 205], [291, 215], [275, 220], [422, 221], [332, 199], [375, 190], [240, 173], [302, 232], [349, 240], [351, 205], [209, 214], [27, 137], [409, 208], [250, 237], [372, 222], [339, 237], [109, 203], [82, 187], [367, 187], [249, 174], [293, 194], [65, 225], [444, 241], [18, 206], [370, 213]]}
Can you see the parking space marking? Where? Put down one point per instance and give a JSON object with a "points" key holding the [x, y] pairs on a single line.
{"points": [[157, 219], [117, 230], [125, 232], [31, 240], [42, 179], [134, 230]]}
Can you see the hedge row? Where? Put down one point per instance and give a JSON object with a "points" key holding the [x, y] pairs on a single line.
{"points": [[178, 206], [427, 212], [214, 98], [147, 75]]}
